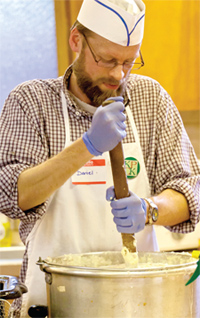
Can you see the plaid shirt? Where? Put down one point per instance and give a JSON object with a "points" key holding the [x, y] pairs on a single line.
{"points": [[32, 130]]}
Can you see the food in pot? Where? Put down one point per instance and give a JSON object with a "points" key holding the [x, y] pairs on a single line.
{"points": [[125, 261]]}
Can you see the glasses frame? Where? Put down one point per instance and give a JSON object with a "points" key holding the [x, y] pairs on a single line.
{"points": [[141, 64]]}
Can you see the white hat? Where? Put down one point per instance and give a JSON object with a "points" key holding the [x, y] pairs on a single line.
{"points": [[119, 21]]}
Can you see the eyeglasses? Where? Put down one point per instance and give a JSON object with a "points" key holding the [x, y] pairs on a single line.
{"points": [[112, 64]]}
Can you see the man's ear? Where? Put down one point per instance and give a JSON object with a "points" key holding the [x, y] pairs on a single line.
{"points": [[75, 40]]}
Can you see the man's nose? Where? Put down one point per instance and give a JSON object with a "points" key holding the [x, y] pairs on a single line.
{"points": [[117, 72]]}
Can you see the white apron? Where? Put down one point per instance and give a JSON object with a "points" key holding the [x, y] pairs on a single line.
{"points": [[79, 219]]}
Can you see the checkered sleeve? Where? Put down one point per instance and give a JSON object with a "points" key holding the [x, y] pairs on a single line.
{"points": [[22, 146], [176, 165], [170, 160]]}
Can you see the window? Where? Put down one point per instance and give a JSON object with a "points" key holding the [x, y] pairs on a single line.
{"points": [[27, 43]]}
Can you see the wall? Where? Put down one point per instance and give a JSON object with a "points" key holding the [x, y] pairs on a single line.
{"points": [[171, 49], [66, 12]]}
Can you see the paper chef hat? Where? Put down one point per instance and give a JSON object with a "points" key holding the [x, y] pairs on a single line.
{"points": [[119, 21]]}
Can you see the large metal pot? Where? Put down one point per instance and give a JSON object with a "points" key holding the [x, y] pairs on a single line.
{"points": [[90, 291]]}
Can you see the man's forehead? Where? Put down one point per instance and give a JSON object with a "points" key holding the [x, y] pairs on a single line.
{"points": [[103, 45]]}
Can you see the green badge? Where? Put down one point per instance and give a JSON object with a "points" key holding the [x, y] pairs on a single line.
{"points": [[132, 167]]}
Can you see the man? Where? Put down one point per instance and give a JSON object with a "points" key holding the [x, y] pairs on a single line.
{"points": [[53, 130]]}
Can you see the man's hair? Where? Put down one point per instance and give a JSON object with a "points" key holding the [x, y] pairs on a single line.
{"points": [[81, 28]]}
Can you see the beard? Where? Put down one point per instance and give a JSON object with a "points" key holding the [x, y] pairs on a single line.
{"points": [[90, 88]]}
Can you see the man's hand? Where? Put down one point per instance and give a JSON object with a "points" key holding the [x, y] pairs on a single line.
{"points": [[107, 128], [129, 213]]}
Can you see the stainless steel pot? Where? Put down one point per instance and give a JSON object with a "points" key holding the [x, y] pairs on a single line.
{"points": [[155, 289]]}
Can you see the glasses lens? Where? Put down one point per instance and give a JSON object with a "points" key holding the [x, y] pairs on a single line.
{"points": [[102, 63], [126, 66]]}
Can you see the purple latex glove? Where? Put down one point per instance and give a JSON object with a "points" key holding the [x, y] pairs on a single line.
{"points": [[129, 213], [107, 128]]}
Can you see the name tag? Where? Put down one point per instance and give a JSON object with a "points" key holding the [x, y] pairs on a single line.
{"points": [[93, 172]]}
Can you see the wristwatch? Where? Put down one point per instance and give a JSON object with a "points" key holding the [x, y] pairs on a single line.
{"points": [[153, 211]]}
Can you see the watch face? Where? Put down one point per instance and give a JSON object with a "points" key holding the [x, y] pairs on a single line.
{"points": [[154, 215]]}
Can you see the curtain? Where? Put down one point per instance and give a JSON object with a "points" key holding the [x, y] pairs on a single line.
{"points": [[171, 45]]}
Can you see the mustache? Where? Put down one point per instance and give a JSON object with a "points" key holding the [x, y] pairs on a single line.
{"points": [[110, 81]]}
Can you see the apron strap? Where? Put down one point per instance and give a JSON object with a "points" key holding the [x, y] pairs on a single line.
{"points": [[66, 118]]}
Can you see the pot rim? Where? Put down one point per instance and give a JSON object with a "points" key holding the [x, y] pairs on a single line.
{"points": [[190, 265]]}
